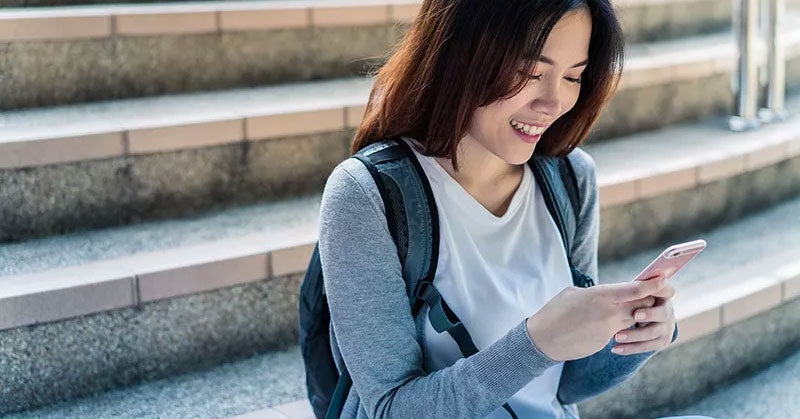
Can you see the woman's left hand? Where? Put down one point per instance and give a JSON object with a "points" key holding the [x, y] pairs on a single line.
{"points": [[655, 330]]}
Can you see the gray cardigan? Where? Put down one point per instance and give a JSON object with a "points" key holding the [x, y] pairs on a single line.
{"points": [[373, 330]]}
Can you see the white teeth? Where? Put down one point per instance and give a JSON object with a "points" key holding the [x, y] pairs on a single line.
{"points": [[528, 129]]}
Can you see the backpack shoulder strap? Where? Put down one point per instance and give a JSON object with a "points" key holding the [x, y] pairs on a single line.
{"points": [[410, 210], [556, 178]]}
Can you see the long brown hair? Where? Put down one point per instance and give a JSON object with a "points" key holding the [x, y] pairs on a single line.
{"points": [[459, 55]]}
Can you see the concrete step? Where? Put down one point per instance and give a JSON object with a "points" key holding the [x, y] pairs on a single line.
{"points": [[770, 393], [61, 55], [732, 321], [654, 186], [157, 299], [110, 163]]}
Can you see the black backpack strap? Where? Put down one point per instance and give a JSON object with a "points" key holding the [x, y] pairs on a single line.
{"points": [[556, 178], [443, 319]]}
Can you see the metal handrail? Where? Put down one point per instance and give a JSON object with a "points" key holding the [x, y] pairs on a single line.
{"points": [[750, 112]]}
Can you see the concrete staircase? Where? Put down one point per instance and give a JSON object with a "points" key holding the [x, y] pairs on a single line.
{"points": [[160, 177]]}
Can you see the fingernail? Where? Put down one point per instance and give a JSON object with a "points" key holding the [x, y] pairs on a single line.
{"points": [[622, 336], [617, 350], [639, 316]]}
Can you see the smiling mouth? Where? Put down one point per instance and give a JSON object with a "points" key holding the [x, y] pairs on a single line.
{"points": [[525, 128]]}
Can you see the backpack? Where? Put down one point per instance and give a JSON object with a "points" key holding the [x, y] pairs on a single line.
{"points": [[404, 189]]}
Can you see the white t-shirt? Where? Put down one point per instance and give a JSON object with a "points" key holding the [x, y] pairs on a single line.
{"points": [[494, 272]]}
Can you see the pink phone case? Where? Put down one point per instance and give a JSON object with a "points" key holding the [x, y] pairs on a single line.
{"points": [[672, 260]]}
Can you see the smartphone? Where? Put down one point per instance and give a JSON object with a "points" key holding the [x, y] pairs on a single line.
{"points": [[672, 260]]}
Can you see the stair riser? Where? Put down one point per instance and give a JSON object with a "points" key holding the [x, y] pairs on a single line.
{"points": [[92, 194], [673, 216], [46, 363], [656, 21], [661, 105], [678, 376], [53, 72]]}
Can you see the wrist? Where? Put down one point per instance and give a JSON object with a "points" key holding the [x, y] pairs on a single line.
{"points": [[535, 335]]}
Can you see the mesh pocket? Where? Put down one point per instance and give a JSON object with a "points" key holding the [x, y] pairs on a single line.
{"points": [[399, 212]]}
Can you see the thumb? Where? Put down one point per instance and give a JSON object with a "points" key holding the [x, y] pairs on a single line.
{"points": [[635, 290]]}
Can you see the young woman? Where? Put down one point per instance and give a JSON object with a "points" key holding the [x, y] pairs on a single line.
{"points": [[476, 87]]}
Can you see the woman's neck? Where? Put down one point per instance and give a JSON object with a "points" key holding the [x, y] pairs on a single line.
{"points": [[479, 169]]}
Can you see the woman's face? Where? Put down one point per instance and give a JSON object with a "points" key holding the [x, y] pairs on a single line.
{"points": [[551, 91]]}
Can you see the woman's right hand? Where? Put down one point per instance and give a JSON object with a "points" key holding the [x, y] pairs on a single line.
{"points": [[578, 322]]}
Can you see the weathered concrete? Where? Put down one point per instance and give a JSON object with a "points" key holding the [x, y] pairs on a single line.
{"points": [[46, 363]]}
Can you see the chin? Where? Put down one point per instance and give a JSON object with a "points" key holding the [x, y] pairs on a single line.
{"points": [[520, 157]]}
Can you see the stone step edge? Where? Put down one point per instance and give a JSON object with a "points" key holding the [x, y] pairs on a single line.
{"points": [[193, 18], [66, 292], [76, 22], [700, 314], [185, 130]]}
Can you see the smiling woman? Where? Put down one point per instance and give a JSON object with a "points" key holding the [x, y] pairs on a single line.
{"points": [[460, 56], [477, 89]]}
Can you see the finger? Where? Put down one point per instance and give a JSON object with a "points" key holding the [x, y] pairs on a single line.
{"points": [[634, 290], [666, 293], [640, 347], [641, 334], [658, 313], [648, 301]]}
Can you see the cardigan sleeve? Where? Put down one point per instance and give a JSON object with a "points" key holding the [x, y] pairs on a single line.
{"points": [[373, 326], [587, 377]]}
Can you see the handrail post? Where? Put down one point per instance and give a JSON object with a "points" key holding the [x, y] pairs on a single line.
{"points": [[746, 88], [776, 64]]}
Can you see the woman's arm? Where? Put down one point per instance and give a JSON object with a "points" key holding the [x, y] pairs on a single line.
{"points": [[372, 320], [590, 376]]}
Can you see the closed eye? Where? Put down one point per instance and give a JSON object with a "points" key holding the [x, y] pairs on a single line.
{"points": [[539, 77]]}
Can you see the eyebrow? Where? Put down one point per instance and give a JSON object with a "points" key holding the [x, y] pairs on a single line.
{"points": [[550, 61]]}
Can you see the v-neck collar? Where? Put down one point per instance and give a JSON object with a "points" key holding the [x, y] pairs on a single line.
{"points": [[473, 207]]}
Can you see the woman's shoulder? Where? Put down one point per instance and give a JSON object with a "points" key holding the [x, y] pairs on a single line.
{"points": [[350, 187], [584, 167]]}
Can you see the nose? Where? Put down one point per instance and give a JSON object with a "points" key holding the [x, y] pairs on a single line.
{"points": [[547, 99]]}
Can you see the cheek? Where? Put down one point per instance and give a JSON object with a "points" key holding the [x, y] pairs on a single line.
{"points": [[570, 101]]}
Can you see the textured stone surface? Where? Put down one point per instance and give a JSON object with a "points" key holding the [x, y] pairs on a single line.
{"points": [[46, 363], [684, 374], [53, 73], [292, 166], [770, 393], [178, 183], [651, 107], [62, 198], [658, 21], [56, 72], [649, 222], [269, 379]]}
